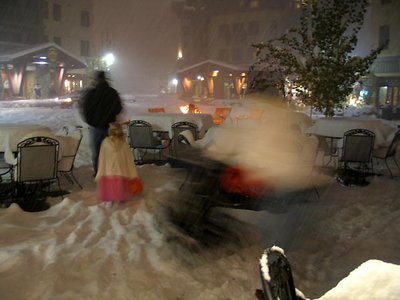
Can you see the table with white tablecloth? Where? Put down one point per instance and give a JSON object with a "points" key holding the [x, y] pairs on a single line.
{"points": [[164, 121], [12, 134], [336, 127]]}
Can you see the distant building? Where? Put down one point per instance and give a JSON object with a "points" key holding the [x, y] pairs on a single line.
{"points": [[385, 78], [223, 31], [21, 23], [45, 65], [33, 25], [69, 25], [212, 79]]}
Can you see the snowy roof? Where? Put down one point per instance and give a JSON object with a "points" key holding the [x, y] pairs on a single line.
{"points": [[212, 62], [29, 50]]}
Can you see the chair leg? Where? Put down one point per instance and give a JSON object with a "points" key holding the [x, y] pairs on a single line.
{"points": [[138, 159], [59, 187], [184, 181], [387, 166], [395, 161], [74, 179]]}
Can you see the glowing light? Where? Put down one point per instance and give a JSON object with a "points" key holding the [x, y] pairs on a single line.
{"points": [[109, 59], [180, 54], [184, 109], [215, 73], [174, 81], [190, 108]]}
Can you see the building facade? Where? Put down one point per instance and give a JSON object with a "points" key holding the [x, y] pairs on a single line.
{"points": [[69, 24], [384, 80], [21, 23], [45, 43], [223, 31]]}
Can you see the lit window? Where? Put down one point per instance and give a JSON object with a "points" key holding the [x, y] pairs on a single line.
{"points": [[254, 3]]}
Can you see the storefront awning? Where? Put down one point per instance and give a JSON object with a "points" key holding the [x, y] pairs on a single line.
{"points": [[49, 53]]}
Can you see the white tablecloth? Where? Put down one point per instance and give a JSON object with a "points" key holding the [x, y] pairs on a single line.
{"points": [[336, 127], [12, 134], [164, 121]]}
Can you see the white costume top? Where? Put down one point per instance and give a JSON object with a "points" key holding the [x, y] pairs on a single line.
{"points": [[115, 159]]}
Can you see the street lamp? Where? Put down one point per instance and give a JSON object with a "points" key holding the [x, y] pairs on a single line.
{"points": [[109, 60]]}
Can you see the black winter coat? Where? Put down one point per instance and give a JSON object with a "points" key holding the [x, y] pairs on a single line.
{"points": [[101, 105]]}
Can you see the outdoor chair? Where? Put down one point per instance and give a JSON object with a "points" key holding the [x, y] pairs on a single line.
{"points": [[6, 174], [356, 156], [186, 140], [178, 140], [5, 169], [187, 137], [71, 142], [35, 170], [156, 110], [276, 277], [384, 153], [141, 137]]}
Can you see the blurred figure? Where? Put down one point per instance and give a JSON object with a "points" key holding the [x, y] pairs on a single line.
{"points": [[100, 106], [6, 90], [117, 179], [38, 90]]}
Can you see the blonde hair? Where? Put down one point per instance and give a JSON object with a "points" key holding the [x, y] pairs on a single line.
{"points": [[115, 133]]}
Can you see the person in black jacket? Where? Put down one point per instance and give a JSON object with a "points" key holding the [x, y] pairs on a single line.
{"points": [[100, 106]]}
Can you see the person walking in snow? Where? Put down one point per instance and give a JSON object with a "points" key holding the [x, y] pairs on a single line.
{"points": [[100, 106], [38, 90]]}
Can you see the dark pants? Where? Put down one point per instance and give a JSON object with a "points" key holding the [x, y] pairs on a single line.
{"points": [[97, 135]]}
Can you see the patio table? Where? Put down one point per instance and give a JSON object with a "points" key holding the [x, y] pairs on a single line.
{"points": [[12, 134], [336, 127]]}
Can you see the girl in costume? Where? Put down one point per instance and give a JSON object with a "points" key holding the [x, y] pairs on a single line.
{"points": [[117, 178]]}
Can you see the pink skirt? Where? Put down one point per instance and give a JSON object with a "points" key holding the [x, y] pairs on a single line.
{"points": [[118, 188]]}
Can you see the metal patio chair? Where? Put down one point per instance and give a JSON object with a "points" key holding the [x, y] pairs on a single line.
{"points": [[35, 170], [5, 169], [72, 142], [142, 137], [178, 139], [384, 153], [356, 156]]}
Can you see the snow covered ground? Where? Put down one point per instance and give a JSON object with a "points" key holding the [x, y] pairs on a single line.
{"points": [[83, 249]]}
